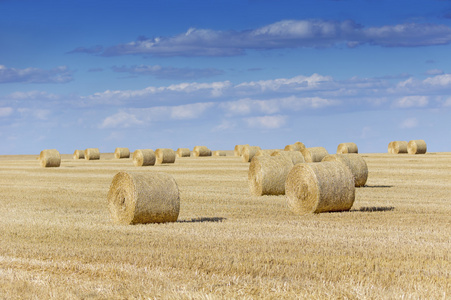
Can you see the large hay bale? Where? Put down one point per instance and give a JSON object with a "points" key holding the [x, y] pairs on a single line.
{"points": [[298, 146], [344, 148], [121, 153], [265, 152], [295, 156], [314, 154], [355, 163], [201, 151], [397, 147], [249, 152], [238, 150], [144, 157], [92, 154], [417, 147], [143, 197], [50, 158], [267, 175], [219, 153], [319, 187], [79, 154], [183, 152], [164, 156]]}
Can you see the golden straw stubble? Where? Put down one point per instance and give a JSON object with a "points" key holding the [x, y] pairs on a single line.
{"points": [[121, 153], [356, 163], [319, 187], [344, 148], [267, 175], [164, 156], [50, 158], [417, 147], [143, 197], [144, 157]]}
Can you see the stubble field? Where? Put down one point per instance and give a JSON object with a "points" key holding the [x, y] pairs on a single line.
{"points": [[58, 241]]}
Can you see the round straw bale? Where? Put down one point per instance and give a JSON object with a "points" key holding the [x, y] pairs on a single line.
{"points": [[78, 154], [201, 151], [183, 152], [219, 153], [344, 148], [416, 147], [319, 187], [144, 157], [265, 152], [249, 152], [50, 158], [397, 147], [298, 146], [267, 175], [295, 156], [121, 153], [143, 197], [314, 154], [164, 156], [92, 154], [238, 150], [355, 163]]}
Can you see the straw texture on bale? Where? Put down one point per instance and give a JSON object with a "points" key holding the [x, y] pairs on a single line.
{"points": [[78, 154], [92, 154], [267, 175], [298, 146], [219, 153], [265, 152], [201, 151], [143, 197], [249, 152], [121, 153], [164, 156], [295, 156], [417, 147], [344, 148], [183, 152], [50, 158], [397, 147], [238, 150], [355, 163], [314, 154], [319, 187], [144, 157]]}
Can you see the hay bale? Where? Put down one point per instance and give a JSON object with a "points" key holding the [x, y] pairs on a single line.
{"points": [[50, 158], [164, 156], [314, 154], [144, 157], [397, 147], [121, 153], [344, 148], [319, 187], [295, 156], [183, 152], [417, 147], [267, 175], [238, 150], [249, 152], [265, 152], [143, 197], [201, 151], [355, 163], [298, 146], [92, 154], [79, 154], [219, 153]]}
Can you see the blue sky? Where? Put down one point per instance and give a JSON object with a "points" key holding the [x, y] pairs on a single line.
{"points": [[170, 74]]}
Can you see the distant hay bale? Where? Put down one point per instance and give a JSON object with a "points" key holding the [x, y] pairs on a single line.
{"points": [[50, 158], [121, 153], [164, 156], [92, 154], [417, 147], [219, 153], [238, 150], [79, 154], [249, 152], [265, 152], [143, 197], [314, 154], [201, 151], [319, 187], [355, 163], [183, 152], [295, 156], [267, 175], [298, 146], [344, 148], [144, 157], [397, 147]]}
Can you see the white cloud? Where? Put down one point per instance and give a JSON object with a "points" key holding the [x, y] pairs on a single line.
{"points": [[411, 101], [5, 111], [266, 122], [409, 123], [121, 120], [443, 80], [189, 111]]}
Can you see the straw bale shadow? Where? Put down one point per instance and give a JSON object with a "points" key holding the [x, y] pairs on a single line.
{"points": [[375, 208], [203, 219]]}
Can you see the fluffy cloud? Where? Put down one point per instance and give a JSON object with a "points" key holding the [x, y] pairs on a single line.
{"points": [[34, 75], [411, 101]]}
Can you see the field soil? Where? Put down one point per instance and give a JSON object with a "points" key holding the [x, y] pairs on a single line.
{"points": [[58, 240]]}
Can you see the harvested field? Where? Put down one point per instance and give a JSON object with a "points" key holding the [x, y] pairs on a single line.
{"points": [[58, 241]]}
